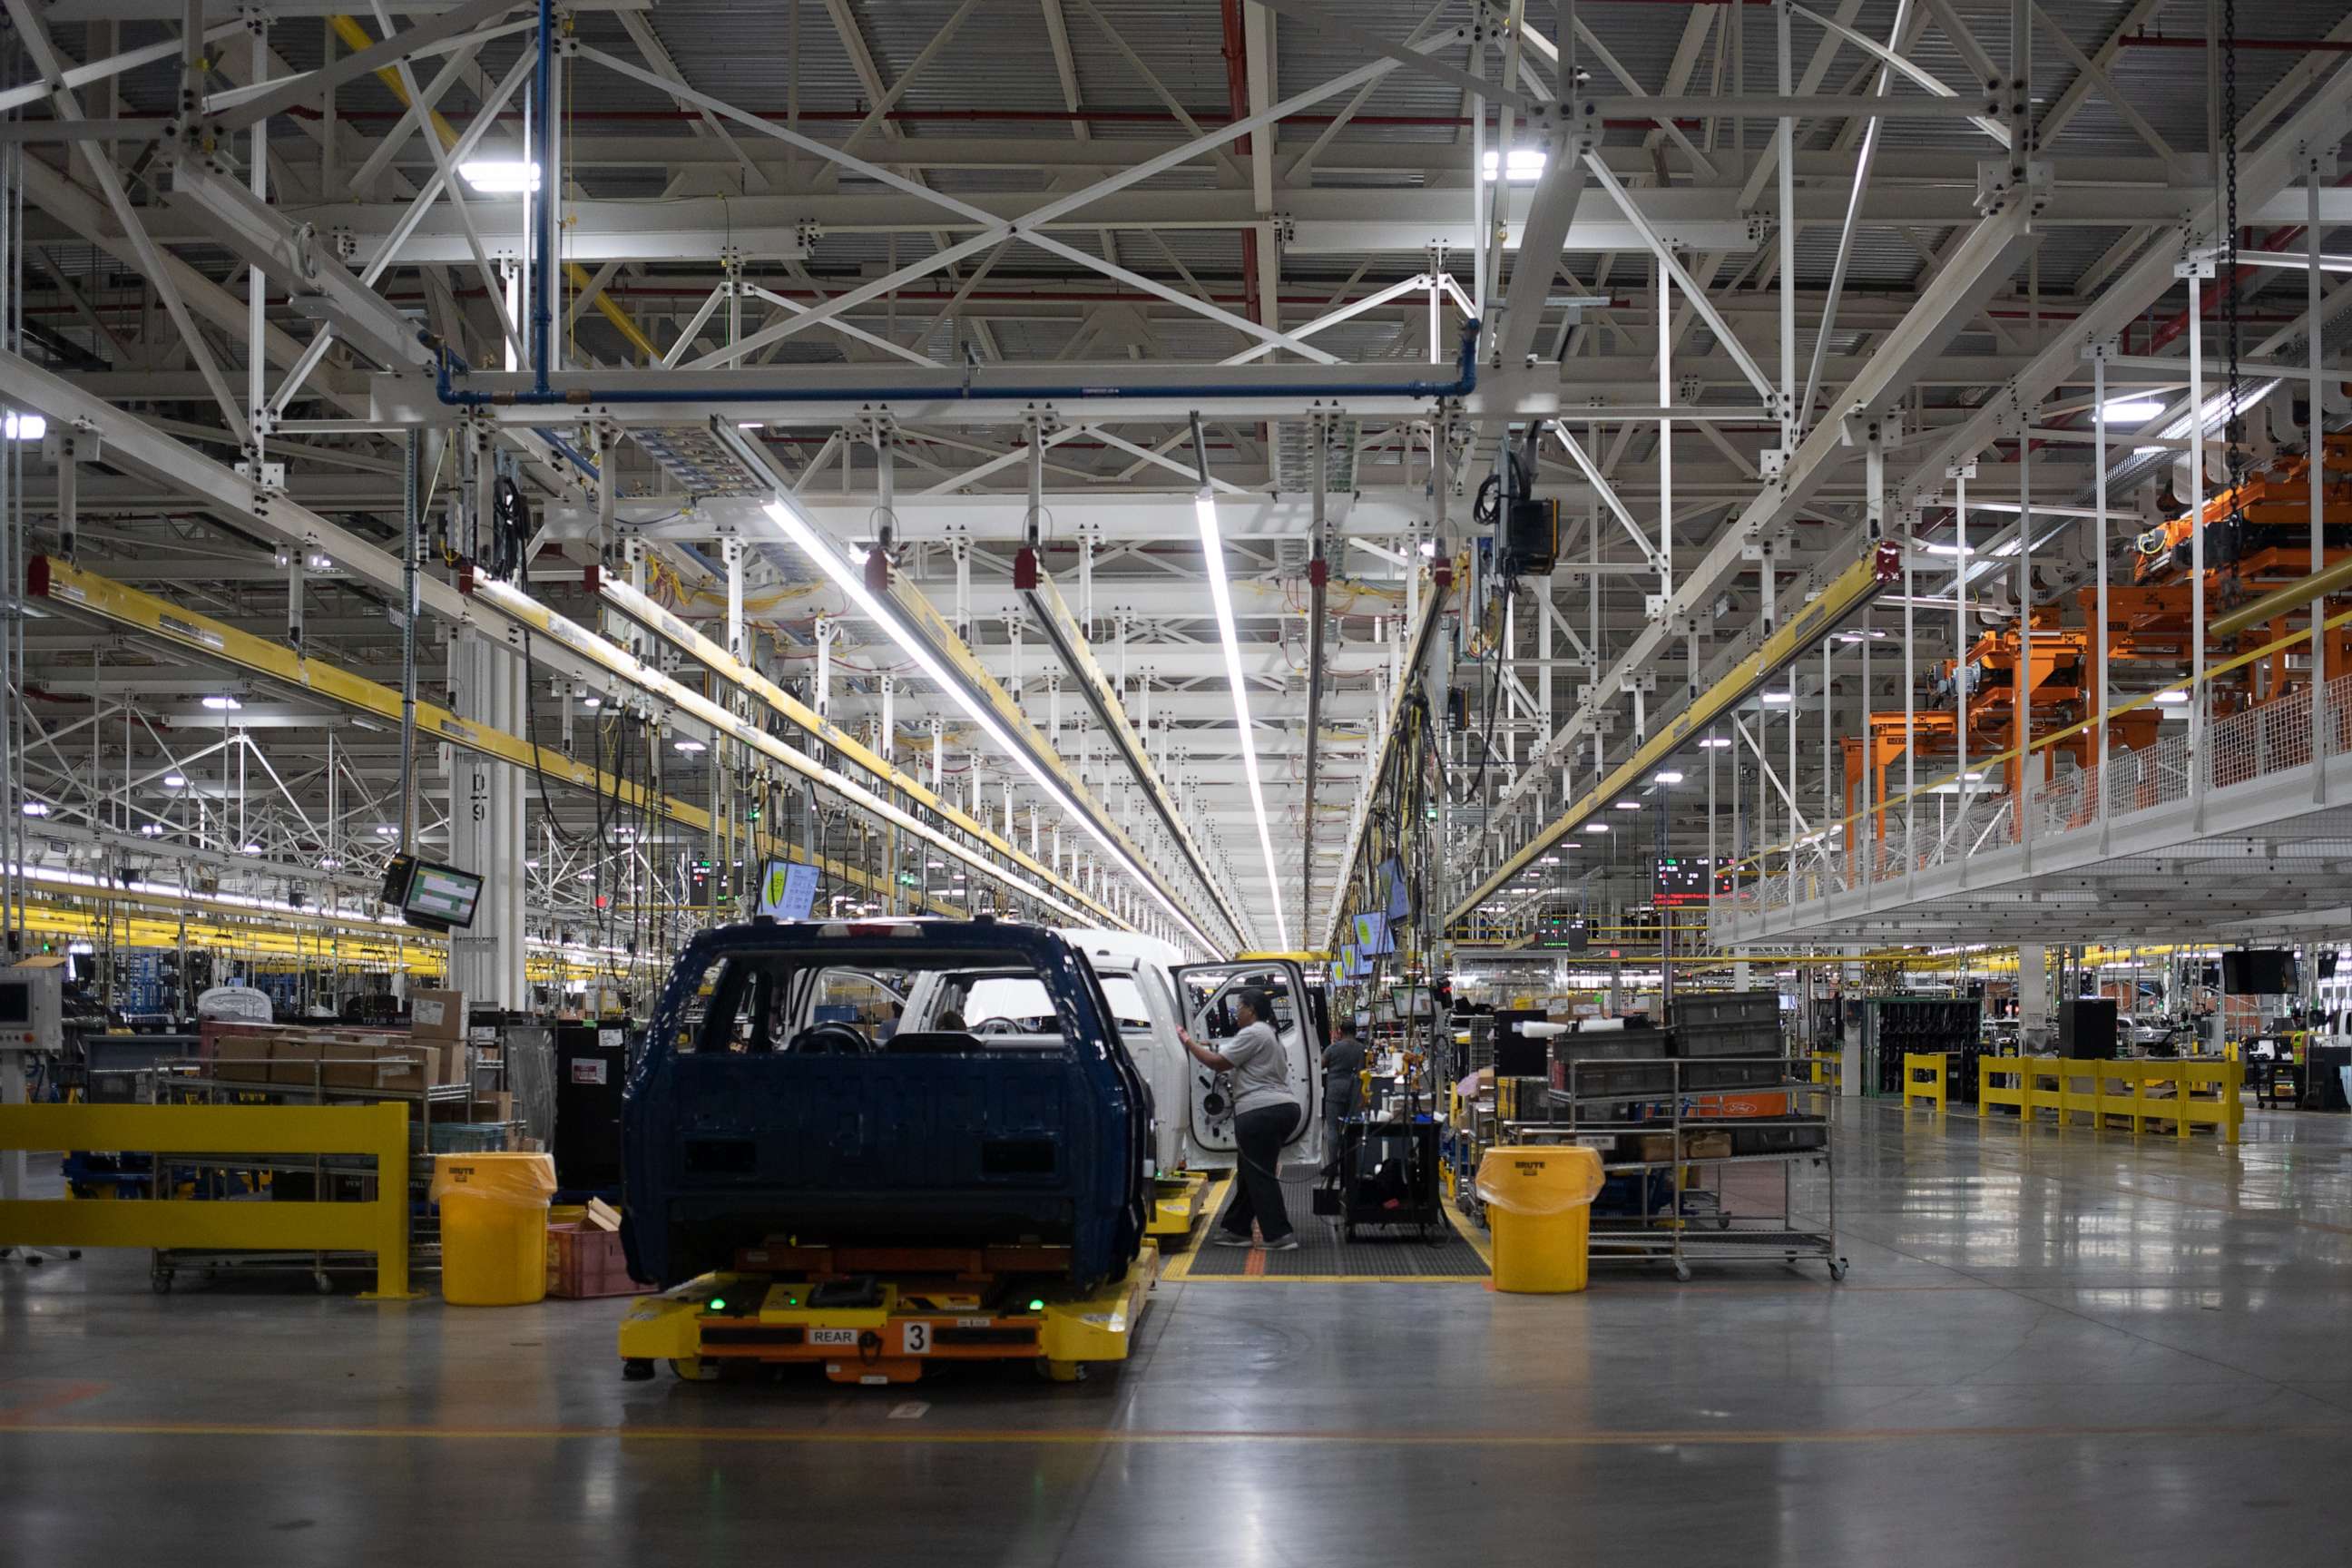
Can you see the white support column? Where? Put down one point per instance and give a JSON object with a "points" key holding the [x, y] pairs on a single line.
{"points": [[1785, 157], [2033, 993], [731, 551], [2196, 271], [2105, 692], [2319, 163], [486, 826], [295, 564], [825, 632], [257, 282]]}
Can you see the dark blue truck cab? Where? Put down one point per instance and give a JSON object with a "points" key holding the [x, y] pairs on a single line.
{"points": [[777, 1102]]}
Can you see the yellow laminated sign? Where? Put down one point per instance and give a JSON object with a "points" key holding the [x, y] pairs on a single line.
{"points": [[1539, 1201]]}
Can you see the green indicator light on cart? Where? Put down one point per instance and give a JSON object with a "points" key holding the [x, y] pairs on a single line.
{"points": [[719, 1304], [1037, 1305]]}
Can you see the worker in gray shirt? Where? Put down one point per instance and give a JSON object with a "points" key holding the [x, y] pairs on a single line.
{"points": [[1265, 1113], [1343, 1066]]}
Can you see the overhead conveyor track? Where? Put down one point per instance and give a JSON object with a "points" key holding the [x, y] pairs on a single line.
{"points": [[60, 585]]}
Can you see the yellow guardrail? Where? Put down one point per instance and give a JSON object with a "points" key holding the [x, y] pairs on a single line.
{"points": [[379, 1225], [2102, 1089], [1932, 1088]]}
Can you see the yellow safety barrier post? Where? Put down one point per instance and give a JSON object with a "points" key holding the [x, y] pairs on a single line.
{"points": [[2188, 1094], [1930, 1087], [379, 1226]]}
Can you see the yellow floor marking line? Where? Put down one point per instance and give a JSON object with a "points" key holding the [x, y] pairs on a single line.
{"points": [[1128, 1438]]}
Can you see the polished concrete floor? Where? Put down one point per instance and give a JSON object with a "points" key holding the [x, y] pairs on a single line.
{"points": [[2052, 1348]]}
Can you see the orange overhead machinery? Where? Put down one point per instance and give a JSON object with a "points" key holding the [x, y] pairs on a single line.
{"points": [[1979, 691], [2245, 560], [2266, 547]]}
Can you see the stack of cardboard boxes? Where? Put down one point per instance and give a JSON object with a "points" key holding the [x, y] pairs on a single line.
{"points": [[335, 1060]]}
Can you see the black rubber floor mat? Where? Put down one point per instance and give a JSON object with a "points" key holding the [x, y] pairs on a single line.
{"points": [[1376, 1253]]}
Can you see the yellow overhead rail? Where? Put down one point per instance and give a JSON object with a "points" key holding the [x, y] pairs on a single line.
{"points": [[62, 583], [1844, 594], [356, 38]]}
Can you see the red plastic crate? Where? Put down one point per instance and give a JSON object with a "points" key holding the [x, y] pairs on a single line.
{"points": [[585, 1263]]}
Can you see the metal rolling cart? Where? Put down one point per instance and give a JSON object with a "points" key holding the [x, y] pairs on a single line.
{"points": [[1685, 1207], [188, 1081]]}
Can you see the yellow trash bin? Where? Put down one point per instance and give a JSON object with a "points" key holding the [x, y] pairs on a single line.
{"points": [[1538, 1200], [493, 1228]]}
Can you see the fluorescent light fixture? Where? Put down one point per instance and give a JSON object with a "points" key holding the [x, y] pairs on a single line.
{"points": [[386, 830], [500, 176], [175, 781], [1596, 827], [592, 703], [1629, 805], [37, 808], [223, 704], [1221, 599], [322, 562], [2171, 699], [253, 848], [1669, 777], [1717, 743], [25, 427], [1526, 164], [688, 745], [2134, 410], [1777, 697], [151, 830], [851, 581]]}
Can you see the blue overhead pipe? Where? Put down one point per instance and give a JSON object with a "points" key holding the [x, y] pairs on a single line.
{"points": [[450, 369]]}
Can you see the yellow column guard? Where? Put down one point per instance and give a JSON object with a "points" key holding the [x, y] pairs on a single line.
{"points": [[379, 1226]]}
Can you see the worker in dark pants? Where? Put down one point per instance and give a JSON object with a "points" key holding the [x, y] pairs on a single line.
{"points": [[1343, 1066], [1264, 1116]]}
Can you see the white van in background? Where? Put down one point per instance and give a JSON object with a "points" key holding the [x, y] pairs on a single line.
{"points": [[1152, 993]]}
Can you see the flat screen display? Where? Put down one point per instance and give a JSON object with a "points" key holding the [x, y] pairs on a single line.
{"points": [[1682, 879], [444, 893], [15, 1002], [1400, 900], [438, 898], [1372, 935], [2259, 971], [787, 890]]}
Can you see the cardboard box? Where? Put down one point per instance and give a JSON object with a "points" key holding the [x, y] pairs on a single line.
{"points": [[243, 1061], [401, 1068], [294, 1062], [436, 1015], [495, 1105], [1707, 1146], [1653, 1146]]}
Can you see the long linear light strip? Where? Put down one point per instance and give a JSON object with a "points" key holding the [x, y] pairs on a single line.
{"points": [[637, 673], [1071, 645], [370, 926], [822, 553], [1221, 595]]}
